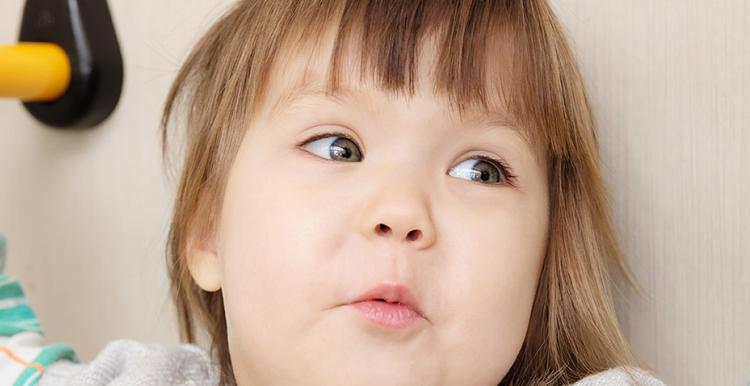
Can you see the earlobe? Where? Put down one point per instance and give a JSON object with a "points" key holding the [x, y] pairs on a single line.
{"points": [[204, 266]]}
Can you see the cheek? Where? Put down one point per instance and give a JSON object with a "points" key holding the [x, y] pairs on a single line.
{"points": [[260, 235], [491, 282], [495, 277], [276, 239]]}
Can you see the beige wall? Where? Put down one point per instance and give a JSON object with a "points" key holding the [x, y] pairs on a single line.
{"points": [[670, 84], [86, 213]]}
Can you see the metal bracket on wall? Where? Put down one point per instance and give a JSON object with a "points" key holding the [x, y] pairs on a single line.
{"points": [[67, 68]]}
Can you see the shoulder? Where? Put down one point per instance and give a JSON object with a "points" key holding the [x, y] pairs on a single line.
{"points": [[127, 362], [620, 376]]}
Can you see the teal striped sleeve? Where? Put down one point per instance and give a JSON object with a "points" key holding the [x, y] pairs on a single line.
{"points": [[23, 356], [15, 314]]}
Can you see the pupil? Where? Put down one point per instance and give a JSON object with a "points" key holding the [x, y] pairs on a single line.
{"points": [[485, 175], [347, 152]]}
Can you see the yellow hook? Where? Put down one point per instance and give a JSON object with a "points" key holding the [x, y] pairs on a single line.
{"points": [[34, 72]]}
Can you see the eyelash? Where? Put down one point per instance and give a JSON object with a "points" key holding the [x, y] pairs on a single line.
{"points": [[505, 170]]}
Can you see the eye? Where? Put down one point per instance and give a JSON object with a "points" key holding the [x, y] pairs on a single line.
{"points": [[337, 146], [333, 146], [485, 169]]}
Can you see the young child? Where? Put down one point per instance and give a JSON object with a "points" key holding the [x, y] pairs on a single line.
{"points": [[384, 193]]}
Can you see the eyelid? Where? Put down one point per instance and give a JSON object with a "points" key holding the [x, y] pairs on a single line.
{"points": [[332, 133]]}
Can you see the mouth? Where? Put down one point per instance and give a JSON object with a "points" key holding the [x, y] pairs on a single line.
{"points": [[391, 306], [390, 315]]}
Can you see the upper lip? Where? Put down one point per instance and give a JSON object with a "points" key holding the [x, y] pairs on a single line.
{"points": [[392, 293]]}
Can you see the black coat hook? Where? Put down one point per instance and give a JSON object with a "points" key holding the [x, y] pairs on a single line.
{"points": [[84, 30]]}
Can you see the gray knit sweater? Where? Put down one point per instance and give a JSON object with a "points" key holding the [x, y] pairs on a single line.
{"points": [[126, 362]]}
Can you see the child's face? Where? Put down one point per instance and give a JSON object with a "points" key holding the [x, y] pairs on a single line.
{"points": [[299, 238]]}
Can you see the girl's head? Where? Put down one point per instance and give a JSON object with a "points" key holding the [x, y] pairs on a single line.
{"points": [[333, 146]]}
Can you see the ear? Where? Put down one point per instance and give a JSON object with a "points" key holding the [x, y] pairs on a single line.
{"points": [[203, 263]]}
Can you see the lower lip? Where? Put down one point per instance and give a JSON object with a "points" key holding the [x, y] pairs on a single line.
{"points": [[391, 315]]}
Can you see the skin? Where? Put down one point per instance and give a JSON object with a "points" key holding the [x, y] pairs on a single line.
{"points": [[299, 237]]}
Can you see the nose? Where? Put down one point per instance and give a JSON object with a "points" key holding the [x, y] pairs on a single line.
{"points": [[402, 215]]}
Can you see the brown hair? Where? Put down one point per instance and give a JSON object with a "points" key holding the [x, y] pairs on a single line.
{"points": [[573, 330]]}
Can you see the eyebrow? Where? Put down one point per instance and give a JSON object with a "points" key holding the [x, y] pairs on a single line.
{"points": [[293, 95], [344, 95]]}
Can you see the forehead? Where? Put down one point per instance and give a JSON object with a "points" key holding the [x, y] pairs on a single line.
{"points": [[349, 95], [305, 74]]}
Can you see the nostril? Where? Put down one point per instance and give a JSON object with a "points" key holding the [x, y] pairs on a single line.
{"points": [[413, 235], [383, 228]]}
